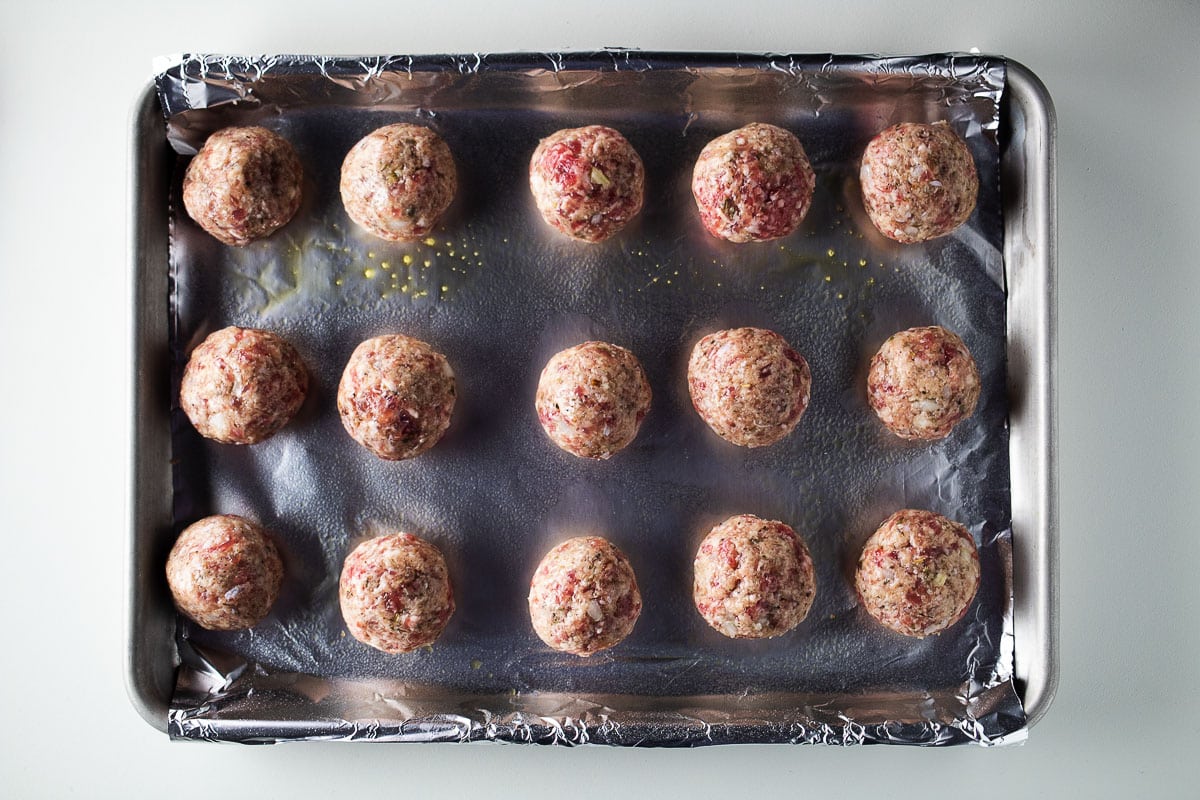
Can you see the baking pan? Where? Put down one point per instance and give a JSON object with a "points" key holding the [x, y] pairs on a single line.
{"points": [[646, 717]]}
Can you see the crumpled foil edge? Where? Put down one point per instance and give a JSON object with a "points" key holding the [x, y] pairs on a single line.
{"points": [[219, 703]]}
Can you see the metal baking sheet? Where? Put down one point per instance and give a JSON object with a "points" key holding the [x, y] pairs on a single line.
{"points": [[499, 295]]}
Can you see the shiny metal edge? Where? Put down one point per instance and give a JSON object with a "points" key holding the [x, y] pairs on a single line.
{"points": [[149, 624], [1030, 255]]}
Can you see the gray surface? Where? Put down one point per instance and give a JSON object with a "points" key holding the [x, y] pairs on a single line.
{"points": [[495, 495], [1128, 377]]}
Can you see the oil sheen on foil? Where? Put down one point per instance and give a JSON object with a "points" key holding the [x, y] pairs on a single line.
{"points": [[498, 292]]}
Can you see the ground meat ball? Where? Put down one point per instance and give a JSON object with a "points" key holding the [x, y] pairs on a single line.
{"points": [[753, 184], [241, 385], [224, 573], [584, 597], [918, 181], [918, 573], [243, 185], [395, 593], [748, 385], [923, 382], [754, 578], [396, 396], [397, 182], [592, 398], [587, 182]]}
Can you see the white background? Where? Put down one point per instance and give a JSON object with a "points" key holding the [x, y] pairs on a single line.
{"points": [[1124, 78]]}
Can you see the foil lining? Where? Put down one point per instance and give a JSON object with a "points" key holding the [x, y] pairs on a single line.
{"points": [[499, 293]]}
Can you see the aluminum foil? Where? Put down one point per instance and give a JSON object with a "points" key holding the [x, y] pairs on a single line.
{"points": [[499, 293]]}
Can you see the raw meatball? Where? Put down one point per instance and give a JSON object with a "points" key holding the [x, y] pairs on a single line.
{"points": [[396, 396], [587, 182], [918, 181], [224, 573], [395, 593], [584, 597], [754, 578], [918, 573], [753, 184], [242, 385], [748, 385], [923, 382], [397, 182], [592, 398], [243, 185]]}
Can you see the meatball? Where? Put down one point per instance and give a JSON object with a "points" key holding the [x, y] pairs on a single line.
{"points": [[397, 181], [748, 385], [243, 185], [587, 182], [754, 578], [395, 593], [592, 398], [918, 181], [396, 396], [224, 573], [753, 184], [584, 597], [918, 573], [241, 385], [923, 382]]}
